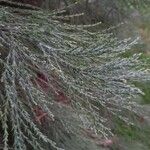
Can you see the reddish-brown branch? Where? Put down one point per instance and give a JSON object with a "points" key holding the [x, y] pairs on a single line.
{"points": [[51, 86], [41, 116]]}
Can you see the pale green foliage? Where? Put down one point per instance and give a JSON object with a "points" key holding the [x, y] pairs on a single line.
{"points": [[86, 66], [134, 3]]}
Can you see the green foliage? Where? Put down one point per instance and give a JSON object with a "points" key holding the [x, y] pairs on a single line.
{"points": [[134, 3], [77, 78], [133, 133]]}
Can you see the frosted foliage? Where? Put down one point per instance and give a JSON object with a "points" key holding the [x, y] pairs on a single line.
{"points": [[45, 58]]}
